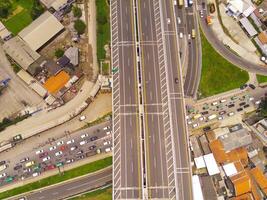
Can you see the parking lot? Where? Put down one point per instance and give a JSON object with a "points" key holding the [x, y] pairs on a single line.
{"points": [[55, 154], [17, 95]]}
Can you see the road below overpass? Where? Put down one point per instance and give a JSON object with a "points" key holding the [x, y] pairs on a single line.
{"points": [[150, 135], [72, 187]]}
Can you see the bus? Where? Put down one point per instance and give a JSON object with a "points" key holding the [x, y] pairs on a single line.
{"points": [[193, 33], [181, 3]]}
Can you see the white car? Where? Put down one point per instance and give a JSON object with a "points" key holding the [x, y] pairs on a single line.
{"points": [[46, 158], [108, 132], [195, 125], [84, 135], [231, 114], [107, 149], [70, 161], [189, 36], [36, 174], [60, 143], [168, 20], [82, 118], [107, 142], [257, 102], [52, 148], [39, 151], [106, 128], [2, 175], [201, 118], [189, 122], [251, 98], [70, 141], [58, 153], [83, 142], [181, 35], [220, 118], [178, 20], [73, 148]]}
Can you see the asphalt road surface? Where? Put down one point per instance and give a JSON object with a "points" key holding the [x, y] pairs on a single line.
{"points": [[226, 52], [126, 162], [73, 187]]}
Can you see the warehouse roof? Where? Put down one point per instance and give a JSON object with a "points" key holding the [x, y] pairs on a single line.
{"points": [[248, 26], [211, 164], [242, 183], [73, 54], [41, 30], [197, 190], [259, 178], [20, 52]]}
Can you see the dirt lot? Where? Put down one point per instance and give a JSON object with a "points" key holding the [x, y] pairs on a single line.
{"points": [[17, 94]]}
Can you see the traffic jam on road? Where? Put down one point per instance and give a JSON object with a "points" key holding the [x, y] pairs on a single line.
{"points": [[76, 146], [220, 109]]}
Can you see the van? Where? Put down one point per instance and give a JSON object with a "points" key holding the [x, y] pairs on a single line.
{"points": [[29, 164]]}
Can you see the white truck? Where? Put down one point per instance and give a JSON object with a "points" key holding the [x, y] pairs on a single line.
{"points": [[211, 117]]}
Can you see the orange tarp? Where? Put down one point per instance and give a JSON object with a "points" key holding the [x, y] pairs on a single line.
{"points": [[217, 149], [243, 197], [55, 83], [242, 183], [259, 178]]}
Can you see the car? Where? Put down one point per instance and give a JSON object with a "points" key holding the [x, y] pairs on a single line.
{"points": [[3, 175], [257, 102], [82, 118], [231, 105], [189, 122], [201, 118], [2, 162], [58, 153], [214, 103], [222, 112], [181, 35], [252, 86], [251, 98], [60, 143], [17, 167], [189, 36], [222, 100], [108, 132], [24, 159], [201, 13], [205, 113], [73, 148], [107, 142], [27, 170], [49, 167], [46, 158], [246, 106], [79, 152], [178, 20], [106, 128], [84, 135], [52, 148], [22, 198], [176, 80], [168, 20], [242, 104], [239, 109], [231, 114], [107, 150], [220, 117], [70, 141], [63, 148], [206, 129], [92, 147], [42, 155], [69, 161], [93, 138], [195, 125], [83, 142], [174, 2], [39, 151], [80, 157], [36, 174]]}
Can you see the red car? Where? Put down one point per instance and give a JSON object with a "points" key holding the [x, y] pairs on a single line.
{"points": [[42, 155], [62, 148], [49, 167]]}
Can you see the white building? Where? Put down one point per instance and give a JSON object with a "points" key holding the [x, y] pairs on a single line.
{"points": [[238, 7]]}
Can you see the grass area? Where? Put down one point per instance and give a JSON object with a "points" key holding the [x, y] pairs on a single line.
{"points": [[261, 78], [20, 19], [102, 194], [98, 120], [218, 75], [76, 172], [103, 28]]}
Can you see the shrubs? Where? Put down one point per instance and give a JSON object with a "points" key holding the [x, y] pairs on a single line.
{"points": [[79, 26]]}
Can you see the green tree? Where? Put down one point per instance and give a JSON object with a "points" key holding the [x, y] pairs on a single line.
{"points": [[77, 12], [5, 8], [79, 26], [59, 53], [263, 107], [37, 9]]}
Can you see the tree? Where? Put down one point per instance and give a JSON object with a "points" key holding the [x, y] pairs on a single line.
{"points": [[263, 107], [5, 8], [59, 53], [79, 26], [37, 9], [77, 12]]}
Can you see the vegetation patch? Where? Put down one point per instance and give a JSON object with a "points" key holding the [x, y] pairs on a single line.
{"points": [[261, 78], [218, 75], [70, 174], [6, 122], [101, 194], [103, 28]]}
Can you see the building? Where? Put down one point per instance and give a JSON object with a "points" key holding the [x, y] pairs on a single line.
{"points": [[20, 52], [57, 82], [4, 33], [248, 27], [238, 7], [41, 31], [235, 139], [72, 54], [261, 41]]}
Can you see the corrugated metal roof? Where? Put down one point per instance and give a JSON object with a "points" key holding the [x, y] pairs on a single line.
{"points": [[41, 30], [55, 83], [248, 26]]}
